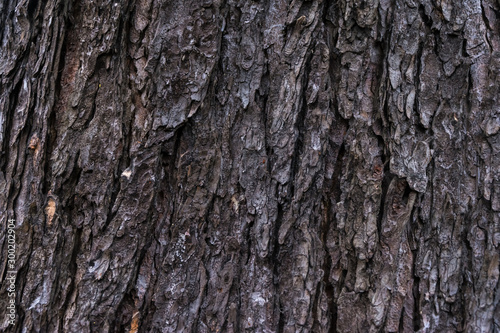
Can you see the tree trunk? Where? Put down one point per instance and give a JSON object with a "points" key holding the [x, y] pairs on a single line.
{"points": [[251, 166]]}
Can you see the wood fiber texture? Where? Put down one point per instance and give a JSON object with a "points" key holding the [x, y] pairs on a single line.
{"points": [[251, 166]]}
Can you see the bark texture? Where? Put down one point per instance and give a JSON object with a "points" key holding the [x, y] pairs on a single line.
{"points": [[251, 166]]}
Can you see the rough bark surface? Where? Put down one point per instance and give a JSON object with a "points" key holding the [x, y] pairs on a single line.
{"points": [[260, 166]]}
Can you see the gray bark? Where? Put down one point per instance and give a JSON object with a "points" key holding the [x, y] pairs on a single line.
{"points": [[260, 166]]}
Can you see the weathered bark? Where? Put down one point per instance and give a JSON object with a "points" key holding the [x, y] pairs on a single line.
{"points": [[272, 166]]}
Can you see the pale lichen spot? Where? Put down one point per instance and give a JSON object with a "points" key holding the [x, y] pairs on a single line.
{"points": [[127, 173], [50, 210], [34, 145], [134, 326], [236, 204]]}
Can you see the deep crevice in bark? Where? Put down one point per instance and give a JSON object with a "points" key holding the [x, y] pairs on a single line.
{"points": [[73, 266], [7, 134], [275, 258]]}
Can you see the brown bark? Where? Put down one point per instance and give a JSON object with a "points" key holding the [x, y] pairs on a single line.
{"points": [[263, 166]]}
